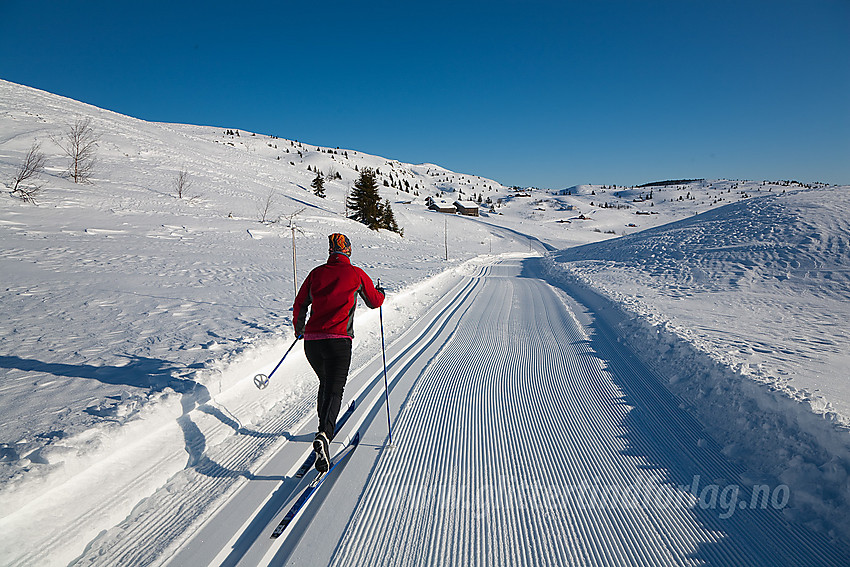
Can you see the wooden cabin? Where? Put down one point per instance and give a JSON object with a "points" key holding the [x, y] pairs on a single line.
{"points": [[440, 205], [467, 208]]}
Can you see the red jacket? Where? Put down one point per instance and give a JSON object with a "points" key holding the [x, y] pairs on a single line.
{"points": [[332, 289]]}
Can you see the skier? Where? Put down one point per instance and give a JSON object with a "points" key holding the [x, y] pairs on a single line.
{"points": [[332, 289]]}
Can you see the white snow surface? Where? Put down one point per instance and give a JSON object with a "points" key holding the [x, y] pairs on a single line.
{"points": [[745, 309], [763, 285], [132, 321]]}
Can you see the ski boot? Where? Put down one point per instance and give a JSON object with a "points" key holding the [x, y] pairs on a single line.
{"points": [[321, 446]]}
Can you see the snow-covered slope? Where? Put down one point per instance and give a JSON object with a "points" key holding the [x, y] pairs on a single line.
{"points": [[116, 290], [745, 308], [763, 284]]}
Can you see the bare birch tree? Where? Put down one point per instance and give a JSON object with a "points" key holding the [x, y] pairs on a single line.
{"points": [[32, 166], [182, 183], [264, 209], [80, 145]]}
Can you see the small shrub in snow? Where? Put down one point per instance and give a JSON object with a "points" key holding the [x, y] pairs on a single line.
{"points": [[264, 209], [182, 183], [32, 166]]}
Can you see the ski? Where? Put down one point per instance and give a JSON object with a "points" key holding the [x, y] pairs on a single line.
{"points": [[311, 458], [311, 488], [306, 465]]}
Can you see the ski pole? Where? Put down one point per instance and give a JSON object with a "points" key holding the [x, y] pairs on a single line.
{"points": [[386, 386], [261, 380]]}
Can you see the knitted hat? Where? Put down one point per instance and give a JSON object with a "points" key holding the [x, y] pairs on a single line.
{"points": [[339, 244]]}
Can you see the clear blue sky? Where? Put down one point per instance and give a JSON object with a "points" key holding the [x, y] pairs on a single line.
{"points": [[548, 94]]}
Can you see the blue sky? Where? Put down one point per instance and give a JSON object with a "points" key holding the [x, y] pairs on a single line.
{"points": [[539, 93]]}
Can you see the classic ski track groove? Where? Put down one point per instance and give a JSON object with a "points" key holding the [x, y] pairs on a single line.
{"points": [[168, 523], [515, 360], [410, 344]]}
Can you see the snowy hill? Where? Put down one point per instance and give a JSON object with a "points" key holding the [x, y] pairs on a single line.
{"points": [[131, 317], [112, 275], [773, 271], [745, 310]]}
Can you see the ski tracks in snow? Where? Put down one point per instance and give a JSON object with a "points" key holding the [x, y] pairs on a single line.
{"points": [[523, 444]]}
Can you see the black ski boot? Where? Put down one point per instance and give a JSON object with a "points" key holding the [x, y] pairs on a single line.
{"points": [[321, 447]]}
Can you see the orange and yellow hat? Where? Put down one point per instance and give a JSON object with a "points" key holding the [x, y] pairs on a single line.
{"points": [[339, 244]]}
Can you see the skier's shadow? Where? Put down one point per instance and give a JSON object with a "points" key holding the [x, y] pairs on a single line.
{"points": [[155, 375]]}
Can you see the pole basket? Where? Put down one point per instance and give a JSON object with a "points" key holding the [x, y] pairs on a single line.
{"points": [[261, 381]]}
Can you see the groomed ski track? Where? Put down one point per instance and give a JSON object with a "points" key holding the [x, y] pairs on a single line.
{"points": [[535, 439], [524, 434]]}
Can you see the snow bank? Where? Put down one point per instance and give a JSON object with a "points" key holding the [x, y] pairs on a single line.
{"points": [[742, 311]]}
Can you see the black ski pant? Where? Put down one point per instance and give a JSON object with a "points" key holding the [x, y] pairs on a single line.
{"points": [[330, 359]]}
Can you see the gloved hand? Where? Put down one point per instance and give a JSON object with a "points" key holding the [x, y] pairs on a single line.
{"points": [[380, 289]]}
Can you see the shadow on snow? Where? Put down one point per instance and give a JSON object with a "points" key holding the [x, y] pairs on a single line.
{"points": [[156, 375]]}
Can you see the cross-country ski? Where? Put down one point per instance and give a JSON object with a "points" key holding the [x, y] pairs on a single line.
{"points": [[314, 485]]}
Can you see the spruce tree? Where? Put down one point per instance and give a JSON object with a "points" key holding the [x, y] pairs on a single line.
{"points": [[388, 218], [364, 202], [366, 207], [318, 185]]}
